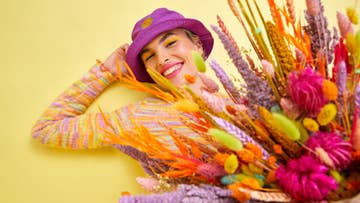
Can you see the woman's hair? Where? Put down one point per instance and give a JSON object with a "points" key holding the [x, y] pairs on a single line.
{"points": [[193, 37]]}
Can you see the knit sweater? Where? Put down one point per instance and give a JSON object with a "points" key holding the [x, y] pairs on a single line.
{"points": [[66, 124]]}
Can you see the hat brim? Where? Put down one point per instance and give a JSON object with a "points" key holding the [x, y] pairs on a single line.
{"points": [[147, 35]]}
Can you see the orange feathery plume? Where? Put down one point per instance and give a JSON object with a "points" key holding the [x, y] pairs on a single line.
{"points": [[276, 15], [131, 82]]}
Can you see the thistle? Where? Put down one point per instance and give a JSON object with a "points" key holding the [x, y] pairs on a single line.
{"points": [[333, 144], [305, 182], [305, 90]]}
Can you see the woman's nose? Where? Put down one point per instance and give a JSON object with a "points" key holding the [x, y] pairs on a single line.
{"points": [[163, 58]]}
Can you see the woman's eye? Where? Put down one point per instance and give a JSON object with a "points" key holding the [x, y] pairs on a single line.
{"points": [[170, 43], [149, 57]]}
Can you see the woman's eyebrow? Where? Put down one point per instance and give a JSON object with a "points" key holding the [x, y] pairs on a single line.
{"points": [[165, 36]]}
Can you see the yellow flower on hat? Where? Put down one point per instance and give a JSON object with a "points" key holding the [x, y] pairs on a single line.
{"points": [[146, 23]]}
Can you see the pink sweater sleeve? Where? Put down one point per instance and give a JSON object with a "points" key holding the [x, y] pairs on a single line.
{"points": [[64, 123]]}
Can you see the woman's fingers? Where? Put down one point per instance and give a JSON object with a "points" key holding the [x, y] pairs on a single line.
{"points": [[117, 57]]}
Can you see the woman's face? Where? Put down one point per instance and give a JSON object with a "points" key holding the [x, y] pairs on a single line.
{"points": [[170, 54]]}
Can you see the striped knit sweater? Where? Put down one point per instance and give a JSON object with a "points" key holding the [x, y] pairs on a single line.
{"points": [[65, 124]]}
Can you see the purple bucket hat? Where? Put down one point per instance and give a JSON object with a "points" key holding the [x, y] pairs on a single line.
{"points": [[157, 22]]}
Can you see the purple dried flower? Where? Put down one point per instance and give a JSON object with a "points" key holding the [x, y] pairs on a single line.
{"points": [[239, 134], [185, 193], [337, 149], [305, 182], [225, 81], [341, 77], [305, 90], [149, 165], [317, 30], [258, 89]]}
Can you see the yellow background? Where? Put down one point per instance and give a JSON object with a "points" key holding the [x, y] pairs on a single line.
{"points": [[45, 46]]}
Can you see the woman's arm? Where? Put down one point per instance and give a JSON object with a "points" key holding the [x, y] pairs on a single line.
{"points": [[64, 124]]}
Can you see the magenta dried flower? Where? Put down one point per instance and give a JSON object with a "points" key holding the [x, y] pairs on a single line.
{"points": [[305, 90], [305, 179], [337, 149]]}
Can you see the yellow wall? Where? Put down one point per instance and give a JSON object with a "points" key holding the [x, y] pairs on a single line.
{"points": [[45, 46]]}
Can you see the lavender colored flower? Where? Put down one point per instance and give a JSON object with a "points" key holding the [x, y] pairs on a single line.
{"points": [[149, 165], [341, 77], [317, 30], [225, 81], [258, 89], [239, 134], [185, 193]]}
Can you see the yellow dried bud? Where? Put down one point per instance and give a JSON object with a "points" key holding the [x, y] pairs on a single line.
{"points": [[352, 15], [310, 124], [351, 43], [327, 114]]}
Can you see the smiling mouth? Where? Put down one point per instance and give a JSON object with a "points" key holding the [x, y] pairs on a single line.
{"points": [[168, 73]]}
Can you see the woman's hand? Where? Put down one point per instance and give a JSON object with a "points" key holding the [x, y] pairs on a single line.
{"points": [[117, 58]]}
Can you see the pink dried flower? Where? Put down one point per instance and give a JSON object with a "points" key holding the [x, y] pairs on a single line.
{"points": [[215, 102], [268, 67], [313, 7], [344, 24], [305, 90], [305, 182], [148, 184], [338, 150], [289, 108], [211, 171], [291, 9], [210, 85], [300, 57]]}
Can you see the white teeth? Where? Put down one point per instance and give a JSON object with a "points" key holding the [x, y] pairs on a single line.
{"points": [[171, 70]]}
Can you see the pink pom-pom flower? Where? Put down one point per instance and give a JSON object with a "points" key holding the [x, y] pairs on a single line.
{"points": [[305, 90], [305, 179], [336, 148]]}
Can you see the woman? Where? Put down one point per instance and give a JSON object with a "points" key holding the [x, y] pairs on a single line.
{"points": [[162, 41]]}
